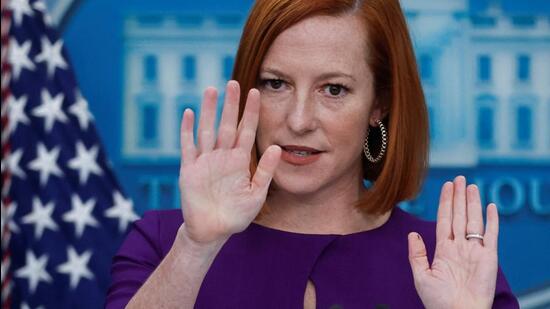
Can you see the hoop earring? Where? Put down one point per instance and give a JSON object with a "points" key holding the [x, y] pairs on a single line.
{"points": [[366, 150]]}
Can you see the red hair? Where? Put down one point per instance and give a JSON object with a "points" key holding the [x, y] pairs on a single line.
{"points": [[398, 91]]}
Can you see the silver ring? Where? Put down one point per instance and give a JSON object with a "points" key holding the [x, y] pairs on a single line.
{"points": [[474, 235]]}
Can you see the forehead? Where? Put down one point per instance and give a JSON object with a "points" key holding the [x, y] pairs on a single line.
{"points": [[322, 42]]}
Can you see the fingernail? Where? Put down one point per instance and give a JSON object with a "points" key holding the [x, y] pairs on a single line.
{"points": [[418, 236], [212, 91]]}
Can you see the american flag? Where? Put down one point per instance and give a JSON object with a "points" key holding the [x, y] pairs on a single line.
{"points": [[63, 212]]}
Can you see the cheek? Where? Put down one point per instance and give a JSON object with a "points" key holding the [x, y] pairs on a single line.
{"points": [[269, 121], [349, 138], [349, 131]]}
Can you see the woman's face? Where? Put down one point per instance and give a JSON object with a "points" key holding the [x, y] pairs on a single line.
{"points": [[316, 101]]}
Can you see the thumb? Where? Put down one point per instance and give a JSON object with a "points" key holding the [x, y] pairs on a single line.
{"points": [[266, 168], [417, 255]]}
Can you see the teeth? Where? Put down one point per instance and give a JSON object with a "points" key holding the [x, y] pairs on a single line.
{"points": [[301, 153]]}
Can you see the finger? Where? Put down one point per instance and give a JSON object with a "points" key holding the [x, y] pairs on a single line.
{"points": [[417, 256], [459, 208], [444, 213], [249, 122], [266, 168], [474, 214], [491, 230], [207, 120], [187, 141], [228, 124]]}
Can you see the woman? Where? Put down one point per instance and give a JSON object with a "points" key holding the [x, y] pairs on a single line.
{"points": [[327, 82]]}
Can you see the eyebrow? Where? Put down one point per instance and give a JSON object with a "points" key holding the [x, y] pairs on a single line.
{"points": [[322, 76], [274, 72]]}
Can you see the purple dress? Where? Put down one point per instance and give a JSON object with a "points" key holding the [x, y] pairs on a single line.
{"points": [[263, 267]]}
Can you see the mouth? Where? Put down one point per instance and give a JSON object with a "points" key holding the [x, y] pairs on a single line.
{"points": [[300, 150], [300, 155]]}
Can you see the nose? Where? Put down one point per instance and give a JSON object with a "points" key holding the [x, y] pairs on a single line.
{"points": [[301, 117]]}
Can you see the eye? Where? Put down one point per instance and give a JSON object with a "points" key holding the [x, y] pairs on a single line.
{"points": [[272, 83], [335, 90]]}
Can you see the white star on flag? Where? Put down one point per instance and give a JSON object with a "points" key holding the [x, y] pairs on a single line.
{"points": [[85, 162], [16, 110], [7, 223], [19, 57], [121, 210], [13, 163], [8, 215], [46, 163], [76, 266], [50, 109], [81, 111], [52, 55], [41, 6], [20, 8], [81, 214], [41, 217], [34, 270]]}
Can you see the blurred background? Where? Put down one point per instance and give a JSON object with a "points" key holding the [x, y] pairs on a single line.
{"points": [[485, 68]]}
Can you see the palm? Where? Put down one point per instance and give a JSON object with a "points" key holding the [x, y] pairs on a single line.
{"points": [[219, 196], [463, 272], [220, 181]]}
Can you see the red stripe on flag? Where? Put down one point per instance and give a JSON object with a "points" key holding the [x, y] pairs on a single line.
{"points": [[6, 283]]}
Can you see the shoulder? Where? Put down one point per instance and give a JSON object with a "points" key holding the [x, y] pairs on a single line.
{"points": [[408, 222], [404, 223], [155, 231], [161, 226], [168, 219]]}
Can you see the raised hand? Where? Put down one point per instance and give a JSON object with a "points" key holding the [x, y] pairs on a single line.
{"points": [[218, 195], [464, 271]]}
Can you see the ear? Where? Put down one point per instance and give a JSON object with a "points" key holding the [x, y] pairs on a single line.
{"points": [[377, 113]]}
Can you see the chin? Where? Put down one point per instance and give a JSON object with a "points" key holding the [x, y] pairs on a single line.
{"points": [[297, 184]]}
